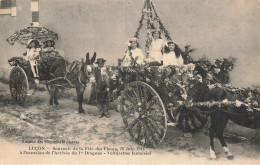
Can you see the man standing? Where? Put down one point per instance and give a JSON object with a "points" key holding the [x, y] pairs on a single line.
{"points": [[102, 88]]}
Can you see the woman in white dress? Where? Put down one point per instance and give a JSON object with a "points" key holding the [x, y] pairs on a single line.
{"points": [[156, 48], [170, 57], [33, 50], [134, 54]]}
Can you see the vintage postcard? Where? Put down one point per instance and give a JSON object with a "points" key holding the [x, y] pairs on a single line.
{"points": [[129, 82]]}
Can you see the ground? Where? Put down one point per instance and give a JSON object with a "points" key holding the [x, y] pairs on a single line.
{"points": [[34, 120]]}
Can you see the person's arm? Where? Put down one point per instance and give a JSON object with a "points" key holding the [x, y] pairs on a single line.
{"points": [[163, 45], [180, 60], [141, 56]]}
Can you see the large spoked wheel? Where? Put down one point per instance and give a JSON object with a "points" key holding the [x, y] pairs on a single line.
{"points": [[143, 114], [190, 119], [18, 84]]}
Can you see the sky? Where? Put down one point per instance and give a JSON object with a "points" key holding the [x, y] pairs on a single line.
{"points": [[217, 29]]}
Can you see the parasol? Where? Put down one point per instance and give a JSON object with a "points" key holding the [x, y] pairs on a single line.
{"points": [[32, 32]]}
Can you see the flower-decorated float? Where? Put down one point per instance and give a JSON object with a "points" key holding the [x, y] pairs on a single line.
{"points": [[151, 95]]}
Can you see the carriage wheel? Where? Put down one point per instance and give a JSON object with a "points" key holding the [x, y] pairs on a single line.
{"points": [[18, 84], [190, 119], [143, 113]]}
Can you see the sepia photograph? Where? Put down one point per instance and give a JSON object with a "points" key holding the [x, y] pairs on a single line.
{"points": [[129, 82]]}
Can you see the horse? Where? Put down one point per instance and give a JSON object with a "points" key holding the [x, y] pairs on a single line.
{"points": [[76, 75], [219, 116]]}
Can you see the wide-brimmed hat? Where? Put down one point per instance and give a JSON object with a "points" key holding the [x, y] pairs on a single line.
{"points": [[30, 40], [100, 60], [37, 43]]}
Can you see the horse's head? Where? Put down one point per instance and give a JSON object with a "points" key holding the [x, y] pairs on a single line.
{"points": [[90, 61], [87, 69]]}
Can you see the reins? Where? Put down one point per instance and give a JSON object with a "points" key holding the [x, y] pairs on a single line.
{"points": [[82, 75]]}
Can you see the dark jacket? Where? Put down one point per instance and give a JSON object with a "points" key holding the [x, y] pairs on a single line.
{"points": [[102, 83]]}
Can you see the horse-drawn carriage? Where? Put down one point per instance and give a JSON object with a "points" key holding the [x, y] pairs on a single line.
{"points": [[22, 82]]}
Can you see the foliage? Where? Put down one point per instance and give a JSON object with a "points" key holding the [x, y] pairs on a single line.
{"points": [[187, 84]]}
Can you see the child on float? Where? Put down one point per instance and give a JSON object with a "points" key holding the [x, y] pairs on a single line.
{"points": [[171, 56], [156, 48], [133, 54], [33, 50]]}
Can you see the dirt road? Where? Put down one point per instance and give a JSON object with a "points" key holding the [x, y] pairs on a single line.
{"points": [[40, 122]]}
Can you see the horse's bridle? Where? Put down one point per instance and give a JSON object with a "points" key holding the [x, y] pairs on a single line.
{"points": [[83, 75]]}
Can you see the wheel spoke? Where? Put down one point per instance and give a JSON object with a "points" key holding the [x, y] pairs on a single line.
{"points": [[180, 119], [153, 126], [137, 96], [133, 100], [151, 136], [187, 125], [200, 118], [131, 126], [195, 125]]}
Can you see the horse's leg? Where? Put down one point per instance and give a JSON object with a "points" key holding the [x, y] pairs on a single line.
{"points": [[221, 127], [51, 92], [80, 90], [55, 97], [212, 131]]}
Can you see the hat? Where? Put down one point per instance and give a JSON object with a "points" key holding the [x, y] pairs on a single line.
{"points": [[30, 40], [37, 43], [52, 41], [133, 39], [99, 60], [169, 42], [155, 30]]}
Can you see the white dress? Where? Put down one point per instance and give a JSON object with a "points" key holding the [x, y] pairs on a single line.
{"points": [[171, 59], [136, 54], [32, 54], [156, 50]]}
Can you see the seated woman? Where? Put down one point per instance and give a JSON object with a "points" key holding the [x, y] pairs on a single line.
{"points": [[33, 50], [170, 56], [48, 46], [156, 48], [134, 54]]}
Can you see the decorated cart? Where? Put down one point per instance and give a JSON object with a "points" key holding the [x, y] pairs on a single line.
{"points": [[153, 96], [22, 82]]}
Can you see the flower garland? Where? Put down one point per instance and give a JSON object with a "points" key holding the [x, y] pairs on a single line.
{"points": [[177, 85]]}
